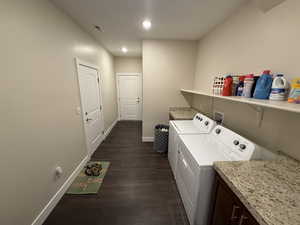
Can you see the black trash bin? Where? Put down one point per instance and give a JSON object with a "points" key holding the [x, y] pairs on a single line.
{"points": [[161, 138]]}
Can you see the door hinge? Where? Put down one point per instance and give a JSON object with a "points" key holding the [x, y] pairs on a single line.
{"points": [[98, 80], [100, 107]]}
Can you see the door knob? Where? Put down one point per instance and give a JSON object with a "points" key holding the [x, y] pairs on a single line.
{"points": [[88, 119]]}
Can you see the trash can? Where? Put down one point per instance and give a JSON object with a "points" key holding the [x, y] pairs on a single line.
{"points": [[161, 138]]}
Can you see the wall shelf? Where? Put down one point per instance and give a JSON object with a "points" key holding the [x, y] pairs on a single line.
{"points": [[280, 105]]}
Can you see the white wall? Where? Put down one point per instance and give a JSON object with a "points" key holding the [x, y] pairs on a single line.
{"points": [[167, 67], [109, 89], [128, 64], [251, 41], [39, 95]]}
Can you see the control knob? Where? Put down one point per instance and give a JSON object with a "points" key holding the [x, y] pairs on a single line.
{"points": [[242, 146], [236, 142]]}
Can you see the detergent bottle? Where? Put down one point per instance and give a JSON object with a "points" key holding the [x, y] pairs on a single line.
{"points": [[235, 84], [255, 79], [294, 96], [227, 89], [248, 84], [240, 87], [263, 86], [279, 88]]}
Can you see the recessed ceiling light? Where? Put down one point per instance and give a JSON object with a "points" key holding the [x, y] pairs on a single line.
{"points": [[147, 24], [124, 49]]}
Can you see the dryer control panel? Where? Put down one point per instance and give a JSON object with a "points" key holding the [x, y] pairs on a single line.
{"points": [[235, 146], [204, 123]]}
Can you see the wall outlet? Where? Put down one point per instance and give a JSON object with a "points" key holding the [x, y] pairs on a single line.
{"points": [[219, 117]]}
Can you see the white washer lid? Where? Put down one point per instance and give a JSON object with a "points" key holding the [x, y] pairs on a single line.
{"points": [[186, 127], [204, 149]]}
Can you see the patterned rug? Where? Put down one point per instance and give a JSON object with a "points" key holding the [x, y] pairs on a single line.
{"points": [[84, 184]]}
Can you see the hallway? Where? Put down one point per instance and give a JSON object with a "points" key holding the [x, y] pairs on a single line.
{"points": [[138, 189]]}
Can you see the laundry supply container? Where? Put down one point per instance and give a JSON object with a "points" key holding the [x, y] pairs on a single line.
{"points": [[161, 138]]}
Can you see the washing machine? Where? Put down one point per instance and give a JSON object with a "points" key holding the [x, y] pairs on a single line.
{"points": [[200, 124]]}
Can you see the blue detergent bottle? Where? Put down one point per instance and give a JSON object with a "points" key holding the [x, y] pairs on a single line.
{"points": [[263, 86]]}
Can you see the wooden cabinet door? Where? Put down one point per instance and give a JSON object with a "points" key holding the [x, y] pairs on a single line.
{"points": [[227, 211]]}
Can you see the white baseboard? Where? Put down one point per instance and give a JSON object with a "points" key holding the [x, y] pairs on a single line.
{"points": [[106, 133], [40, 219], [108, 130], [147, 139]]}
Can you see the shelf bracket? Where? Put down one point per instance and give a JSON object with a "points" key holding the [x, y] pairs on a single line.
{"points": [[259, 114]]}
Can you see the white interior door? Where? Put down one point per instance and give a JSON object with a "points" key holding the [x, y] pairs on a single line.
{"points": [[130, 97], [91, 102]]}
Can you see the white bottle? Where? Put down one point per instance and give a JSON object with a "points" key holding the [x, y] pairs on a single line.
{"points": [[279, 88], [248, 85]]}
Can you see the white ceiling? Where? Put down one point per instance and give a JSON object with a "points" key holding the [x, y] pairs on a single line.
{"points": [[171, 19]]}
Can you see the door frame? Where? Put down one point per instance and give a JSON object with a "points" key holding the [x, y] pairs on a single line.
{"points": [[140, 76], [78, 63]]}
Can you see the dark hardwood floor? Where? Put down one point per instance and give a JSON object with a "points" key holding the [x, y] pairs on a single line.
{"points": [[138, 189]]}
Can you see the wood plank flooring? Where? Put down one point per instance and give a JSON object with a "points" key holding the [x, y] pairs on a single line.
{"points": [[138, 189]]}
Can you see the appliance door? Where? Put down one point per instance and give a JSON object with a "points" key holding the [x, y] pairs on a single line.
{"points": [[187, 179], [173, 148]]}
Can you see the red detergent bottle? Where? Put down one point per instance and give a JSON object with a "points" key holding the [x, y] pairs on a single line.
{"points": [[227, 90]]}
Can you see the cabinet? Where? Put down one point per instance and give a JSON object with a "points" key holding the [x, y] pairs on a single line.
{"points": [[227, 208]]}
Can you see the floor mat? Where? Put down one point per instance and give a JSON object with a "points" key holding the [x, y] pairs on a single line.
{"points": [[84, 184]]}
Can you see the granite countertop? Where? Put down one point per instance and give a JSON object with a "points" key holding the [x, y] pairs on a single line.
{"points": [[182, 113], [270, 190]]}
